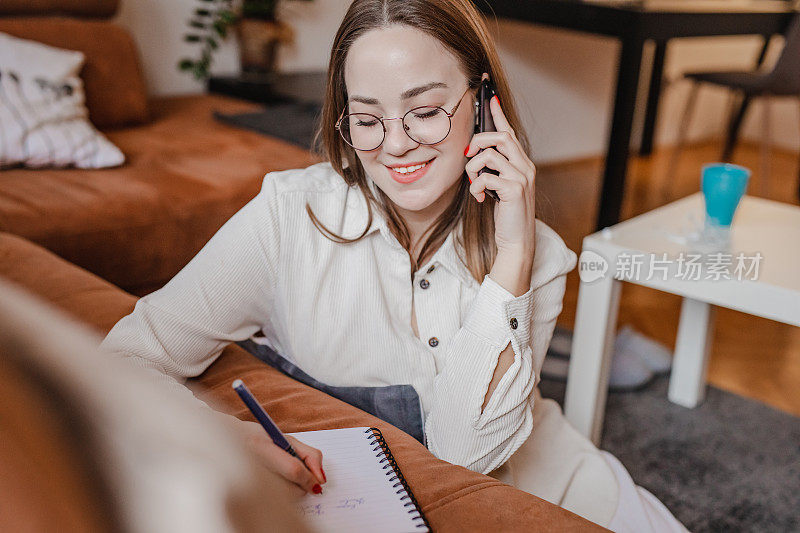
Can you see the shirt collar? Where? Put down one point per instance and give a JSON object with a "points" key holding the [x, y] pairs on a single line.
{"points": [[355, 218], [356, 214], [447, 257]]}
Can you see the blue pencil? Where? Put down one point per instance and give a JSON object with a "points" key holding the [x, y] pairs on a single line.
{"points": [[263, 418]]}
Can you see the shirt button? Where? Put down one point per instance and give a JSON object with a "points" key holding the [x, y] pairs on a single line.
{"points": [[424, 284], [434, 342], [513, 323], [431, 269]]}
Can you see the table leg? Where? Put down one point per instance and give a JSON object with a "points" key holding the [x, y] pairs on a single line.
{"points": [[653, 96], [687, 383], [590, 361], [630, 59]]}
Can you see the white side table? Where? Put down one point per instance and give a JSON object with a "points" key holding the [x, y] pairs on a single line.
{"points": [[760, 226]]}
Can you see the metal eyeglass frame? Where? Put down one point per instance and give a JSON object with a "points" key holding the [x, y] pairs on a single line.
{"points": [[402, 119]]}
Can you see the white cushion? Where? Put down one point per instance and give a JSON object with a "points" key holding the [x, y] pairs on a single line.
{"points": [[43, 118]]}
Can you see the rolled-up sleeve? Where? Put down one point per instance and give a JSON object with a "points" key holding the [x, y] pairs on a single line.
{"points": [[222, 295], [456, 428]]}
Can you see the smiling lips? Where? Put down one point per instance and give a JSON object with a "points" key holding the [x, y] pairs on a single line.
{"points": [[409, 173]]}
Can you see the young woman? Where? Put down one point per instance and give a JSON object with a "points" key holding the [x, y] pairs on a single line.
{"points": [[388, 264]]}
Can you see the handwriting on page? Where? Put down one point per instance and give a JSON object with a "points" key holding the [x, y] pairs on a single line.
{"points": [[320, 508]]}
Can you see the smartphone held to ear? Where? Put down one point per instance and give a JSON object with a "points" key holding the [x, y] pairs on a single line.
{"points": [[484, 122]]}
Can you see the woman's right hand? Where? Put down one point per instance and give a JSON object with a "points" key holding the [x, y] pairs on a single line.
{"points": [[285, 465]]}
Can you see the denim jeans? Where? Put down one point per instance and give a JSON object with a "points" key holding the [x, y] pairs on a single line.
{"points": [[396, 404]]}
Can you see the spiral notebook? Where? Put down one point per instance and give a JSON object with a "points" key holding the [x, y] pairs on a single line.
{"points": [[365, 490]]}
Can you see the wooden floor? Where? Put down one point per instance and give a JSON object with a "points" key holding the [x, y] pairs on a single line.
{"points": [[751, 356]]}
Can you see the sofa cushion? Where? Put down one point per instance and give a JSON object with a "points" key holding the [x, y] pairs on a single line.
{"points": [[78, 8], [139, 224], [453, 498], [115, 88]]}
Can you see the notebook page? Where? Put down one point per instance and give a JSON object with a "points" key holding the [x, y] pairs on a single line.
{"points": [[358, 495]]}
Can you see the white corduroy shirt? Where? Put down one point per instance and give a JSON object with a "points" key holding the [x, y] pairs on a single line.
{"points": [[342, 313]]}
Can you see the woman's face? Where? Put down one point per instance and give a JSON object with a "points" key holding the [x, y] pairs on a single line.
{"points": [[382, 65]]}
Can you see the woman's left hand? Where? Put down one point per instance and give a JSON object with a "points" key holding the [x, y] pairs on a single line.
{"points": [[515, 214]]}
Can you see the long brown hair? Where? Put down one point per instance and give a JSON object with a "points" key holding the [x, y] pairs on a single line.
{"points": [[459, 26]]}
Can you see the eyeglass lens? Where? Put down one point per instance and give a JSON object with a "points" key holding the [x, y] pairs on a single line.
{"points": [[425, 125]]}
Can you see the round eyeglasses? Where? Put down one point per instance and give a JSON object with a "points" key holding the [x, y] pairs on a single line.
{"points": [[423, 125]]}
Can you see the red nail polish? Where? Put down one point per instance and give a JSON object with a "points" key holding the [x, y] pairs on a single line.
{"points": [[466, 150], [324, 477], [316, 489]]}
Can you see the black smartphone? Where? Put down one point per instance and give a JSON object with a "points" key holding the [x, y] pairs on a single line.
{"points": [[484, 122]]}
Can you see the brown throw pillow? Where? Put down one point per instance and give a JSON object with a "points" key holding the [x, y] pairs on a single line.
{"points": [[112, 76]]}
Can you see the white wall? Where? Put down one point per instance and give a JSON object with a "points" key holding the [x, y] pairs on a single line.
{"points": [[563, 81], [159, 26]]}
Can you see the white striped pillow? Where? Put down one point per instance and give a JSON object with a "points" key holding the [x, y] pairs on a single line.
{"points": [[43, 119]]}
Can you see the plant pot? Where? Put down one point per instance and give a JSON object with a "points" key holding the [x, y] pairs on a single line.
{"points": [[258, 44]]}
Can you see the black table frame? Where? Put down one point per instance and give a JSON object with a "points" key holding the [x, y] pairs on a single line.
{"points": [[306, 86], [635, 23]]}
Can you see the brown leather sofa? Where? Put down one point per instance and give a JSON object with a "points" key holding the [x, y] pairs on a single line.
{"points": [[453, 498], [136, 225]]}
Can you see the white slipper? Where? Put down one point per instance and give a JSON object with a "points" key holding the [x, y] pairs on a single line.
{"points": [[636, 360], [628, 373], [655, 355]]}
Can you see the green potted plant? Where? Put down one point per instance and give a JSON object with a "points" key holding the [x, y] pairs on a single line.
{"points": [[258, 30]]}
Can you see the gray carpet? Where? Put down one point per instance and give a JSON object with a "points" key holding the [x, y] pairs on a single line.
{"points": [[731, 464]]}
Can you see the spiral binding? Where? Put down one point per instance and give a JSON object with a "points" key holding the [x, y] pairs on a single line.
{"points": [[379, 443]]}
